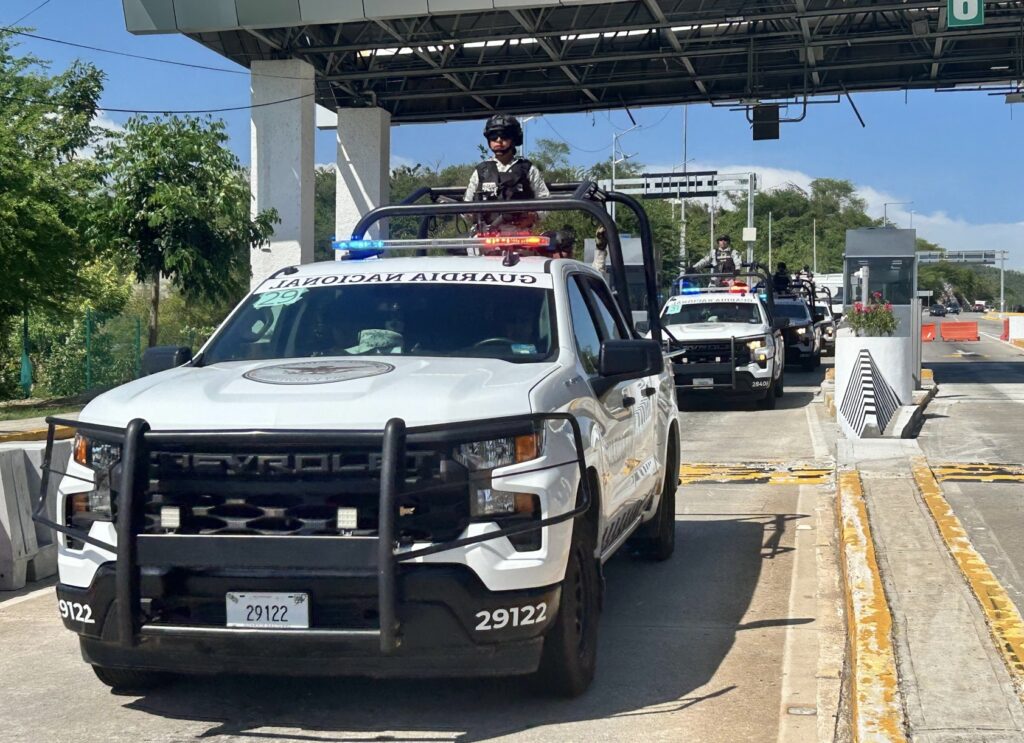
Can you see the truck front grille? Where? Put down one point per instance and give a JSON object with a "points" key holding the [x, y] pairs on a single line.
{"points": [[713, 352], [298, 493]]}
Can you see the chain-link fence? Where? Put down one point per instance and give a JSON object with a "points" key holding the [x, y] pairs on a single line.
{"points": [[90, 351]]}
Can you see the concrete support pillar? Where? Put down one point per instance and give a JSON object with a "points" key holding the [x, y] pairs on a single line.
{"points": [[364, 159], [282, 161]]}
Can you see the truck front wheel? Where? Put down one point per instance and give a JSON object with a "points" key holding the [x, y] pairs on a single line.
{"points": [[570, 646]]}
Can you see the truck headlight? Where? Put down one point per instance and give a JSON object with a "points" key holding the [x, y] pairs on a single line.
{"points": [[96, 455], [801, 331], [490, 454], [490, 503], [82, 509], [756, 343], [481, 457]]}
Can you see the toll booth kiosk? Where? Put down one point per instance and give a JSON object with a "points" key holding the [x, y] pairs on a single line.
{"points": [[889, 255], [882, 260]]}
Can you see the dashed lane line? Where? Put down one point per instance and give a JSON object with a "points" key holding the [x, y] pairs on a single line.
{"points": [[755, 473], [978, 472], [1001, 614]]}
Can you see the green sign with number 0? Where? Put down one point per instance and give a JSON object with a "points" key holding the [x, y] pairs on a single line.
{"points": [[961, 13]]}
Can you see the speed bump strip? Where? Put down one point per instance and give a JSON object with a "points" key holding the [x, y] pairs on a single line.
{"points": [[876, 708], [39, 434], [978, 472], [1003, 618], [754, 474]]}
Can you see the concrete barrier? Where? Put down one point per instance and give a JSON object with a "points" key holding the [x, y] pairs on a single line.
{"points": [[28, 551], [17, 532], [1015, 329], [45, 564], [959, 331], [928, 332]]}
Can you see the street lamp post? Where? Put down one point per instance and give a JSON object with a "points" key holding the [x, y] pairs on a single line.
{"points": [[615, 148], [885, 210]]}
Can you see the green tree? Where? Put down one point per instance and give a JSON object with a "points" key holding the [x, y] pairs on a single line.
{"points": [[44, 184], [178, 206], [324, 210]]}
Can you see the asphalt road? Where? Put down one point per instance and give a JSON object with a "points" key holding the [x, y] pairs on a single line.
{"points": [[718, 644], [978, 417]]}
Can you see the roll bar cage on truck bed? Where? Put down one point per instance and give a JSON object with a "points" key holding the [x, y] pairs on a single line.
{"points": [[133, 479], [583, 196]]}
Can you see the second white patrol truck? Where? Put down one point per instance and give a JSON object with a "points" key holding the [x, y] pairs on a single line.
{"points": [[725, 341]]}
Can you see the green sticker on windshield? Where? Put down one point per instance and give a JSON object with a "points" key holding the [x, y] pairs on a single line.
{"points": [[673, 309], [281, 298]]}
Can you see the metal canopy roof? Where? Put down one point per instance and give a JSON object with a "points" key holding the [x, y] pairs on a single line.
{"points": [[461, 59]]}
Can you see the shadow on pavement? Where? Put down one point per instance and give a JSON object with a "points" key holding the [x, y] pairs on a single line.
{"points": [[790, 400], [665, 630], [985, 372]]}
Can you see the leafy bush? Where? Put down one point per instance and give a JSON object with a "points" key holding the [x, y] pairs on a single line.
{"points": [[874, 319]]}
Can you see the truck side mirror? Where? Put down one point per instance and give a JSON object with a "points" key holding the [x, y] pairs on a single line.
{"points": [[162, 358], [622, 360]]}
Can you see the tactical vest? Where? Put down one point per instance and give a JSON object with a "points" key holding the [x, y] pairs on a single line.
{"points": [[513, 185]]}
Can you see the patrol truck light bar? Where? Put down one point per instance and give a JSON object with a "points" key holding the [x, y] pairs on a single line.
{"points": [[447, 243]]}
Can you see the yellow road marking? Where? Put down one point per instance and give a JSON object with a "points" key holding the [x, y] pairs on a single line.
{"points": [[1004, 619], [978, 472], [754, 473], [877, 712], [38, 434]]}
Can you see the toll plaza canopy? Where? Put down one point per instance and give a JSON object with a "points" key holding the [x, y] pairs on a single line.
{"points": [[435, 60]]}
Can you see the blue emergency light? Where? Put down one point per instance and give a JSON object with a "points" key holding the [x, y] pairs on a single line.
{"points": [[359, 249]]}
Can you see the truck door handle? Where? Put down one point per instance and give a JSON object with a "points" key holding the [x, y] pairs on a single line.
{"points": [[648, 391], [628, 402]]}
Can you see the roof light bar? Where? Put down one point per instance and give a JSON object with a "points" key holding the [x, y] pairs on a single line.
{"points": [[447, 243]]}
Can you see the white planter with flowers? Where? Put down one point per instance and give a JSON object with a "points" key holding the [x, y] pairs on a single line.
{"points": [[892, 355]]}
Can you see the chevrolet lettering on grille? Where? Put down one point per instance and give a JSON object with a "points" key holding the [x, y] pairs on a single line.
{"points": [[275, 464]]}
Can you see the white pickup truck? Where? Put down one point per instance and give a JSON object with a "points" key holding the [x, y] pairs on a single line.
{"points": [[725, 341], [410, 466]]}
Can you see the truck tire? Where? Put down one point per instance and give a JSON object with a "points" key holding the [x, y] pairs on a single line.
{"points": [[780, 384], [656, 539], [570, 645], [130, 679], [768, 401], [810, 363]]}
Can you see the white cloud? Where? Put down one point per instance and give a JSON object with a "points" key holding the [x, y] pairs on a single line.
{"points": [[106, 124], [398, 161], [952, 233]]}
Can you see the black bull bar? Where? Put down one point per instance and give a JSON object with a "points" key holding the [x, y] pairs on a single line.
{"points": [[368, 554]]}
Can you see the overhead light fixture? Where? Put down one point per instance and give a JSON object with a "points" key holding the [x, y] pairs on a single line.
{"points": [[1000, 67]]}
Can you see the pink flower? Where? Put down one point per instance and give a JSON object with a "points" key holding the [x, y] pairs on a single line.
{"points": [[888, 306], [876, 295], [858, 306]]}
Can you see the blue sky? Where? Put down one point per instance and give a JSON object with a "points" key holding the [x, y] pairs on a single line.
{"points": [[958, 156]]}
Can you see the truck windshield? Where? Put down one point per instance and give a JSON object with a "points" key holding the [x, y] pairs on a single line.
{"points": [[686, 314], [792, 311], [514, 323]]}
